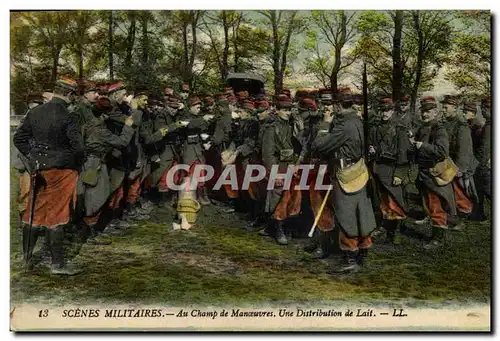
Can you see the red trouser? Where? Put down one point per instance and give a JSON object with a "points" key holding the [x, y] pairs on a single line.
{"points": [[389, 207], [134, 190], [116, 198], [325, 222], [289, 205], [464, 204], [93, 220], [354, 243], [434, 208], [55, 198]]}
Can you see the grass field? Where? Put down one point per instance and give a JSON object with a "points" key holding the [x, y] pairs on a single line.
{"points": [[217, 262]]}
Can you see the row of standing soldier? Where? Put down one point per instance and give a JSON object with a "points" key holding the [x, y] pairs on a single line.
{"points": [[115, 149]]}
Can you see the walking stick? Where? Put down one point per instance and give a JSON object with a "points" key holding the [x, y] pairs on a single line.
{"points": [[321, 208], [28, 250]]}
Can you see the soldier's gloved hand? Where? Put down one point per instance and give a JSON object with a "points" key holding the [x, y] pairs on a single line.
{"points": [[129, 121], [208, 117], [279, 182], [182, 123], [163, 131], [181, 106], [207, 145], [397, 181], [156, 159]]}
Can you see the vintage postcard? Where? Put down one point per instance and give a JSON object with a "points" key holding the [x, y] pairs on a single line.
{"points": [[250, 170]]}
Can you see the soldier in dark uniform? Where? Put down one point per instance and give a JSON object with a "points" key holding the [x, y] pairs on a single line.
{"points": [[83, 109], [94, 182], [481, 138], [49, 137], [258, 189], [245, 140], [388, 147], [192, 149], [431, 145], [321, 241], [120, 160], [149, 138], [136, 157], [461, 152], [278, 150], [223, 140], [166, 119], [342, 146]]}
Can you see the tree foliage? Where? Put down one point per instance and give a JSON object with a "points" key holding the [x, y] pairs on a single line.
{"points": [[403, 50], [328, 41], [470, 58]]}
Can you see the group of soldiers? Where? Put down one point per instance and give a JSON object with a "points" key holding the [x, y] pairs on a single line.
{"points": [[100, 162]]}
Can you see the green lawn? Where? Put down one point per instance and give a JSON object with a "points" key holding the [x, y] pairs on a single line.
{"points": [[219, 263]]}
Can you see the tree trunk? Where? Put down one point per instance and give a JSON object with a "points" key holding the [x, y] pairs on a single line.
{"points": [[194, 23], [185, 55], [55, 63], [110, 46], [145, 40], [420, 61], [338, 53], [225, 53], [80, 62], [336, 68], [130, 40], [284, 51], [276, 54], [397, 72], [236, 52]]}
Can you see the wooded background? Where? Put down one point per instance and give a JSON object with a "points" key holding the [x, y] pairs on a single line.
{"points": [[404, 50]]}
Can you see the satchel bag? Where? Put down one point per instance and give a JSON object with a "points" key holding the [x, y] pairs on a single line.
{"points": [[444, 172], [353, 178]]}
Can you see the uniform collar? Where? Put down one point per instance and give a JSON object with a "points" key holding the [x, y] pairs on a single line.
{"points": [[56, 99]]}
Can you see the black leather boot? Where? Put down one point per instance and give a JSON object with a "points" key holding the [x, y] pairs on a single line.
{"points": [[436, 240], [362, 254], [325, 245], [134, 212], [393, 234], [95, 238], [351, 262], [280, 233], [313, 243], [59, 264], [203, 196], [455, 223], [257, 225], [30, 237], [289, 233]]}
